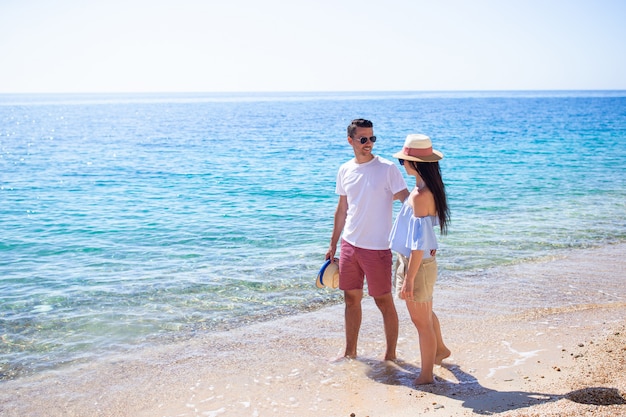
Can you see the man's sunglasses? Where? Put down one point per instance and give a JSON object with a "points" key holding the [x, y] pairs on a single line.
{"points": [[364, 139]]}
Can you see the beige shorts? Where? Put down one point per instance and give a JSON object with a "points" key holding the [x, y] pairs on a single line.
{"points": [[424, 283]]}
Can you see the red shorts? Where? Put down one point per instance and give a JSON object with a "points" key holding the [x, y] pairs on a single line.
{"points": [[356, 264]]}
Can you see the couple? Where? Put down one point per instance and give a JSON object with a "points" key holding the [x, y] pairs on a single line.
{"points": [[367, 186]]}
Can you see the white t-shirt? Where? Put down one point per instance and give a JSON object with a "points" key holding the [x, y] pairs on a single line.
{"points": [[369, 188]]}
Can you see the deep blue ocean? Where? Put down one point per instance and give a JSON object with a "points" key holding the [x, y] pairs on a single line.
{"points": [[128, 219]]}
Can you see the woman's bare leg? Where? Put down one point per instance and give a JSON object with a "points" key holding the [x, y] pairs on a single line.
{"points": [[442, 350], [422, 316]]}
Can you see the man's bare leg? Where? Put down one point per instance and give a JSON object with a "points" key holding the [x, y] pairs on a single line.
{"points": [[387, 307], [353, 316]]}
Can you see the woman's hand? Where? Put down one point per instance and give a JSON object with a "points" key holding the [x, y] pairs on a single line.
{"points": [[415, 259], [406, 292]]}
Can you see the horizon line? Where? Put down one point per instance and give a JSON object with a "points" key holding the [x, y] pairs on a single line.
{"points": [[311, 91]]}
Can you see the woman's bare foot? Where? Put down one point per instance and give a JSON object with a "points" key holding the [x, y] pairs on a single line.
{"points": [[441, 355], [423, 380]]}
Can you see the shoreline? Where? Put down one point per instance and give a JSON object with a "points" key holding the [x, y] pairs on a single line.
{"points": [[534, 360]]}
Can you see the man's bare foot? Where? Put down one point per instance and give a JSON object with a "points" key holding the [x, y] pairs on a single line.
{"points": [[343, 359], [391, 358], [441, 355]]}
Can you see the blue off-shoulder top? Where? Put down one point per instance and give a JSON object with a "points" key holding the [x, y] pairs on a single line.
{"points": [[413, 233]]}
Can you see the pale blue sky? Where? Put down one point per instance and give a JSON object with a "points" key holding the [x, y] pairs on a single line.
{"points": [[310, 45]]}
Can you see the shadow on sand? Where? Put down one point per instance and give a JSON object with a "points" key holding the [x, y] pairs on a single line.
{"points": [[479, 399]]}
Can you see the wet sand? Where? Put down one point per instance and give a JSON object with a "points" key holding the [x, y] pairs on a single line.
{"points": [[567, 359]]}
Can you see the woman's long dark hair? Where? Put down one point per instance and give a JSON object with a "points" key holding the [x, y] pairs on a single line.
{"points": [[431, 174]]}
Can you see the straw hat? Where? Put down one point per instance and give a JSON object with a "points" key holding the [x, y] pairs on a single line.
{"points": [[328, 275], [418, 148]]}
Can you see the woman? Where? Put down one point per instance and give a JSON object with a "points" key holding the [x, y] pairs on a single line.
{"points": [[413, 238]]}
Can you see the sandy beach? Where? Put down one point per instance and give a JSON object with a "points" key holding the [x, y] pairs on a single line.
{"points": [[566, 360]]}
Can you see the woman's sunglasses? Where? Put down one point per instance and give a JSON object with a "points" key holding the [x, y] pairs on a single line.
{"points": [[364, 139], [401, 161]]}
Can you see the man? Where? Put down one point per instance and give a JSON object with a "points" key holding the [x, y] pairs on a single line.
{"points": [[367, 186]]}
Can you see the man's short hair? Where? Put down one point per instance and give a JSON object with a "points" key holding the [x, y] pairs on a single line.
{"points": [[358, 123]]}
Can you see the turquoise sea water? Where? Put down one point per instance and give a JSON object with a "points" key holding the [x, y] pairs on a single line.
{"points": [[133, 219]]}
